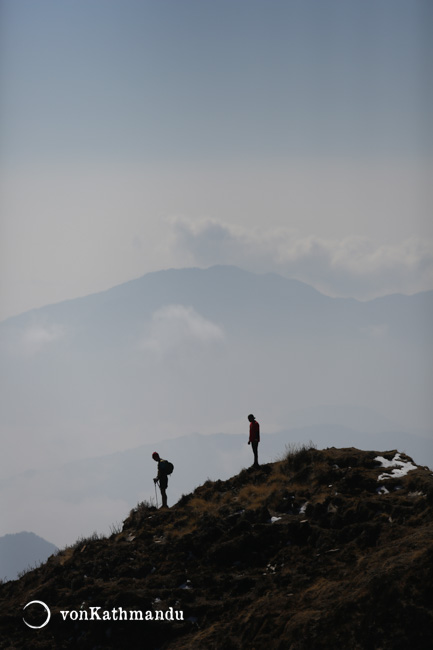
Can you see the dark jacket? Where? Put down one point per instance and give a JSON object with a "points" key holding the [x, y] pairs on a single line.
{"points": [[254, 431]]}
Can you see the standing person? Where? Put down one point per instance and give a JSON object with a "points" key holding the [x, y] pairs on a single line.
{"points": [[164, 469], [254, 438]]}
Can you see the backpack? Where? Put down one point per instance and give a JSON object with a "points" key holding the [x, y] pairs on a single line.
{"points": [[165, 467]]}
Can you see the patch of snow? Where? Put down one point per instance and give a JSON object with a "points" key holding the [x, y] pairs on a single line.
{"points": [[382, 490], [303, 508], [401, 467], [274, 519], [270, 568]]}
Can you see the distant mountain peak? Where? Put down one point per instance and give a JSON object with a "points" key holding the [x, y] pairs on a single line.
{"points": [[21, 551]]}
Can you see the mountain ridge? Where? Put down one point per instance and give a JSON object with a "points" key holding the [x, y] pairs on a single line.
{"points": [[86, 494], [19, 551], [130, 286]]}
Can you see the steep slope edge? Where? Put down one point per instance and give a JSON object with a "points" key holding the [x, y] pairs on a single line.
{"points": [[322, 549]]}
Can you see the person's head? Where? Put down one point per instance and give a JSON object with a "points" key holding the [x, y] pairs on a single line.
{"points": [[156, 456], [251, 417]]}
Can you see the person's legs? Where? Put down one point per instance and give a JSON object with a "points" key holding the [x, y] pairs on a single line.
{"points": [[255, 446], [163, 482]]}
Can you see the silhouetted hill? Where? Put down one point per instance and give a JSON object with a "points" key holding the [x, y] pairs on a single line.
{"points": [[20, 551], [92, 494], [323, 549]]}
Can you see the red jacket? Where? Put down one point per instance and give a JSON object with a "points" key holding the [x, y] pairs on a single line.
{"points": [[254, 431]]}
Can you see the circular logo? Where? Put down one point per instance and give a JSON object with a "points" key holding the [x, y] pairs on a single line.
{"points": [[38, 602]]}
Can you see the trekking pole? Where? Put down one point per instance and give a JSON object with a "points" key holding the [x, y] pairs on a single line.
{"points": [[156, 495]]}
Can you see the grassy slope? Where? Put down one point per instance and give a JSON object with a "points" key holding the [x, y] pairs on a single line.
{"points": [[341, 565]]}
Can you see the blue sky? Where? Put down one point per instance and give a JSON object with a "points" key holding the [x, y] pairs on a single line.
{"points": [[176, 79], [290, 136]]}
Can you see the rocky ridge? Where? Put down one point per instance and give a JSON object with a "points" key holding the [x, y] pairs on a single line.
{"points": [[323, 549]]}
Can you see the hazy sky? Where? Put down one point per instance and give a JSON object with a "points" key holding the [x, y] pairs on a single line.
{"points": [[136, 135], [292, 136]]}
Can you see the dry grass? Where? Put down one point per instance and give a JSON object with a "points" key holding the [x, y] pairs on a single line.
{"points": [[315, 580]]}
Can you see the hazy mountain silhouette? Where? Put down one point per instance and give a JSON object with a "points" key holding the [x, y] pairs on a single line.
{"points": [[176, 350], [234, 297], [22, 551]]}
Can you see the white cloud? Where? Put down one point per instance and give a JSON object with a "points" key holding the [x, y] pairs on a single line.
{"points": [[37, 337], [174, 326], [32, 339], [351, 266], [99, 224]]}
